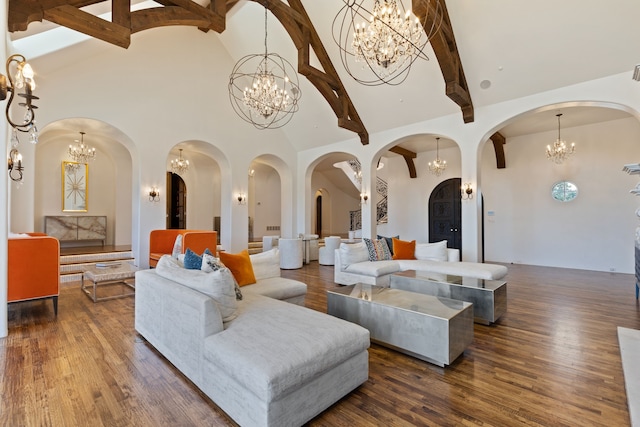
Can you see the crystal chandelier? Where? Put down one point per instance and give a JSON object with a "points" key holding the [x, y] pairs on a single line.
{"points": [[559, 151], [268, 96], [80, 152], [437, 166], [386, 46], [179, 165]]}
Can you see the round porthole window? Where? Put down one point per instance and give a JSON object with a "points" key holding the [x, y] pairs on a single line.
{"points": [[564, 191]]}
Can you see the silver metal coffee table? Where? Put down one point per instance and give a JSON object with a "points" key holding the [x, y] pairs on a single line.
{"points": [[489, 297], [107, 274], [434, 329]]}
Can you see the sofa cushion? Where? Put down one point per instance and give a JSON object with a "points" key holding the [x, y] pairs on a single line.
{"points": [[377, 249], [374, 268], [403, 249], [432, 251], [266, 264], [218, 284], [240, 266], [277, 287], [353, 253], [274, 347], [389, 241]]}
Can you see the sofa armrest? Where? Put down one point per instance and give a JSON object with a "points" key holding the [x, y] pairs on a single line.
{"points": [[453, 255], [175, 320]]}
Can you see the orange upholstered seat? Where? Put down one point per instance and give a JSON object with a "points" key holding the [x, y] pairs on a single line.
{"points": [[161, 242], [34, 268]]}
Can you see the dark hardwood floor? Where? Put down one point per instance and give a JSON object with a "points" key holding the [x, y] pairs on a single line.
{"points": [[552, 360]]}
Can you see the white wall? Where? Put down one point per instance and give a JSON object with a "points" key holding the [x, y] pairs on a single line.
{"points": [[408, 198], [336, 206], [265, 201], [593, 232]]}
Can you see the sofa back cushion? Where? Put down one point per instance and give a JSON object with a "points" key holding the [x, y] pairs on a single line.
{"points": [[432, 251], [353, 253], [218, 285], [266, 264]]}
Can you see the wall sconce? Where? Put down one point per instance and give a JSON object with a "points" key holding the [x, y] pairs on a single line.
{"points": [[364, 198], [22, 77], [466, 191], [154, 194], [242, 199], [15, 165]]}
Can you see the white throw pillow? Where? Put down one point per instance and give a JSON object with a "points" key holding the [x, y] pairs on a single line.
{"points": [[266, 264], [177, 247], [218, 284], [432, 251], [353, 253]]}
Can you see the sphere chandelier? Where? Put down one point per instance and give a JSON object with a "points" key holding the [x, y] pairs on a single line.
{"points": [[267, 97], [382, 50]]}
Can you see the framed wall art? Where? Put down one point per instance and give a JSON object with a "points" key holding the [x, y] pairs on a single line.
{"points": [[75, 187]]}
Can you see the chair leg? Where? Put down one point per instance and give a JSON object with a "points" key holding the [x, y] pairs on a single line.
{"points": [[637, 289], [55, 305]]}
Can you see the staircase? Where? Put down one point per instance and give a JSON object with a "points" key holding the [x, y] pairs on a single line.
{"points": [[72, 265]]}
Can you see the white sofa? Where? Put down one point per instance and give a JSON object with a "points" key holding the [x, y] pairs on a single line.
{"points": [[270, 363], [352, 264]]}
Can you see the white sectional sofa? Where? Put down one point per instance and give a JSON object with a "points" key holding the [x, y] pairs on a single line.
{"points": [[352, 264], [263, 361]]}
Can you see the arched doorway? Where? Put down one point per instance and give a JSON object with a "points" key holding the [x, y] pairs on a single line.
{"points": [[445, 215], [176, 201]]}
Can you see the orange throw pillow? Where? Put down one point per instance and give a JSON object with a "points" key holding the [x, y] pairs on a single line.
{"points": [[240, 266], [403, 249]]}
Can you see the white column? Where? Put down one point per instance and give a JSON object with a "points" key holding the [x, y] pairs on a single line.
{"points": [[471, 209]]}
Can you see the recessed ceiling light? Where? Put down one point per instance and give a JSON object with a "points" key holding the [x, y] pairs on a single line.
{"points": [[485, 84]]}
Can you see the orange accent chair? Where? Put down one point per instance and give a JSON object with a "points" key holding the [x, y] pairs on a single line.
{"points": [[34, 268], [161, 242]]}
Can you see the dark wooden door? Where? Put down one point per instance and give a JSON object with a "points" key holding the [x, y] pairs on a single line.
{"points": [[176, 202], [444, 214]]}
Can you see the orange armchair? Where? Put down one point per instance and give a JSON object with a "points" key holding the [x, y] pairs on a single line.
{"points": [[34, 269], [161, 242]]}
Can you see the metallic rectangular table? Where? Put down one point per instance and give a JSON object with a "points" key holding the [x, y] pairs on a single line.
{"points": [[436, 330], [116, 272], [489, 297]]}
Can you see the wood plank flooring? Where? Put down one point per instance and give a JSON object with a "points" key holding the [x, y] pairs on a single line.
{"points": [[552, 360]]}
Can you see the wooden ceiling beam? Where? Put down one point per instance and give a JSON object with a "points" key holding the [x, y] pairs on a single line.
{"points": [[445, 48], [91, 25], [408, 156], [498, 145], [292, 16]]}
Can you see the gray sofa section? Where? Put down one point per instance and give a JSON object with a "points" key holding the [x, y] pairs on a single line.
{"points": [[274, 364]]}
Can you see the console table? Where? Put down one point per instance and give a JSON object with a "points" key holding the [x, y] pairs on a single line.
{"points": [[76, 227]]}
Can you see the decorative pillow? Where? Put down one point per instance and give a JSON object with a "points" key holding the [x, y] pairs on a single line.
{"points": [[210, 263], [177, 247], [218, 284], [403, 249], [193, 261], [266, 264], [432, 251], [240, 266], [353, 253], [389, 241], [378, 249]]}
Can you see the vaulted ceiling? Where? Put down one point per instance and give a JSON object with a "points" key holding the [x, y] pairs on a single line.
{"points": [[487, 53]]}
